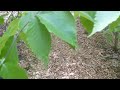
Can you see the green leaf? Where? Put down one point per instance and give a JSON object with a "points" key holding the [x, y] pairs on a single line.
{"points": [[87, 24], [27, 17], [90, 15], [76, 14], [1, 20], [103, 19], [3, 40], [22, 36], [13, 54], [2, 61], [114, 25], [9, 68], [12, 71], [13, 27], [37, 36], [11, 30], [62, 24]]}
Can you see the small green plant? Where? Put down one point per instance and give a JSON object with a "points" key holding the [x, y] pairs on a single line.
{"points": [[34, 28], [106, 21]]}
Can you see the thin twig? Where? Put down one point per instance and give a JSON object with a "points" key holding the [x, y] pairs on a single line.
{"points": [[116, 41], [15, 38]]}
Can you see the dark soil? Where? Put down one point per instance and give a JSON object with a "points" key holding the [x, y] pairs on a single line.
{"points": [[93, 60]]}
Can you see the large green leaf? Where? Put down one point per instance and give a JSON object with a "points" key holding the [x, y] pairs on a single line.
{"points": [[103, 19], [9, 68], [87, 24], [90, 15], [11, 51], [22, 36], [11, 30], [36, 36], [2, 60], [13, 27], [12, 71], [114, 25], [62, 24]]}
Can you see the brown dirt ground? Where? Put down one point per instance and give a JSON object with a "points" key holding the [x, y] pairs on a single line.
{"points": [[93, 60]]}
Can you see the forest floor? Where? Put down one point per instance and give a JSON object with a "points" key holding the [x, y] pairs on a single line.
{"points": [[93, 60]]}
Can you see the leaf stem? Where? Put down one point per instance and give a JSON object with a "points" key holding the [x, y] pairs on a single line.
{"points": [[115, 47], [15, 38]]}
